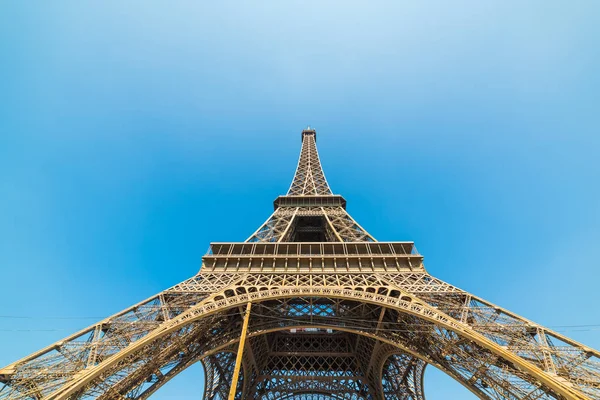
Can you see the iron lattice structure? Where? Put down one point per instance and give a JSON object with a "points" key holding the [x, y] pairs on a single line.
{"points": [[311, 306]]}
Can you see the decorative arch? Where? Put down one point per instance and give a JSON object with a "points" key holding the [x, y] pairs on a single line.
{"points": [[439, 324]]}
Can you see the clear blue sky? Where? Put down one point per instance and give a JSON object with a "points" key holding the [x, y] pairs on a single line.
{"points": [[134, 133]]}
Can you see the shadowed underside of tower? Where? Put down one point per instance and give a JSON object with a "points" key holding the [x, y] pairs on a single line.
{"points": [[311, 306]]}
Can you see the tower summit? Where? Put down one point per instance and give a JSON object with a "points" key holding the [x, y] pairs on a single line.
{"points": [[310, 307]]}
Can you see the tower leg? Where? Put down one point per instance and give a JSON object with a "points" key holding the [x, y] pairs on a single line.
{"points": [[238, 359]]}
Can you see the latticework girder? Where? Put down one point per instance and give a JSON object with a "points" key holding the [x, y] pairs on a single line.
{"points": [[309, 178], [402, 377], [334, 314]]}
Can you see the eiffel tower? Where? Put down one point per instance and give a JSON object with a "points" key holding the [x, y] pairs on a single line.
{"points": [[310, 307]]}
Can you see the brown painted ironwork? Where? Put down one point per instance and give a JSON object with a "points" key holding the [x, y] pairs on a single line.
{"points": [[335, 315]]}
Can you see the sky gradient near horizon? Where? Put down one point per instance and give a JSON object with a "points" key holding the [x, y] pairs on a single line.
{"points": [[132, 134]]}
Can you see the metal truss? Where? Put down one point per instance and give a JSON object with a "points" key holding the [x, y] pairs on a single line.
{"points": [[309, 178], [402, 377], [338, 316], [338, 225]]}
